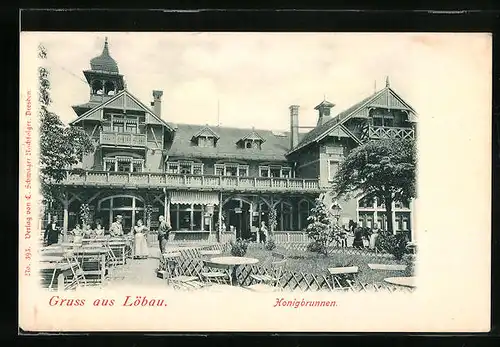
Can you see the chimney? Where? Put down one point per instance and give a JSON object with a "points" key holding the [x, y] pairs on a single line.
{"points": [[294, 126], [157, 94]]}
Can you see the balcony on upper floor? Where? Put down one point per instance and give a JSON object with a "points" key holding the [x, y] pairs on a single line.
{"points": [[385, 132], [194, 182], [121, 139]]}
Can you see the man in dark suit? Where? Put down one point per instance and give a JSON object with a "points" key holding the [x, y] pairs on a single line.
{"points": [[163, 232], [52, 232]]}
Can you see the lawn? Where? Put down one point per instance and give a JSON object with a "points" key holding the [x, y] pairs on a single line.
{"points": [[314, 263]]}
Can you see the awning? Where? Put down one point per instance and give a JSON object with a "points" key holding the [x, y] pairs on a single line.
{"points": [[200, 198]]}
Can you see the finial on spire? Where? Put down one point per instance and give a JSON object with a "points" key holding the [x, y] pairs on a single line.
{"points": [[387, 84], [324, 97], [375, 87], [106, 40]]}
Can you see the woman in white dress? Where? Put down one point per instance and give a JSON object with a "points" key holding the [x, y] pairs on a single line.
{"points": [[140, 243]]}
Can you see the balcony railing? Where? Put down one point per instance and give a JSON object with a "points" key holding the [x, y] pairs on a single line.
{"points": [[122, 139], [198, 182], [380, 133]]}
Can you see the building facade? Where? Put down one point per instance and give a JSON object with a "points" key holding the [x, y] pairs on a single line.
{"points": [[203, 176]]}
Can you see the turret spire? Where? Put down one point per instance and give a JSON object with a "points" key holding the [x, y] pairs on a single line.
{"points": [[387, 84]]}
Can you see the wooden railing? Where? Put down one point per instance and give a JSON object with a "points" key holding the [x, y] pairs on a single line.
{"points": [[379, 133], [122, 139], [199, 182]]}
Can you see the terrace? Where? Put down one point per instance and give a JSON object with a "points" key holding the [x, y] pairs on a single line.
{"points": [[185, 181]]}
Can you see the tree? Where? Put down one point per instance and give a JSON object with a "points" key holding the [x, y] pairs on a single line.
{"points": [[60, 146], [385, 169], [321, 229]]}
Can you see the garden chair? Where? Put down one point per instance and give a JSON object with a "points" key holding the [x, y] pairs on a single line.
{"points": [[162, 266], [269, 282], [343, 275], [178, 281], [216, 272]]}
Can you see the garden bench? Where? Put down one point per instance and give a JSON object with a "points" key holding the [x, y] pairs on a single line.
{"points": [[387, 267], [343, 273]]}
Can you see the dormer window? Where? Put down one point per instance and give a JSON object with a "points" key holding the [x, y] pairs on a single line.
{"points": [[206, 137], [251, 141]]}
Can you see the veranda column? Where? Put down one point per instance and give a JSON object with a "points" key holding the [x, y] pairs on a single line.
{"points": [[251, 216], [65, 219], [375, 215], [166, 207], [219, 238], [412, 224]]}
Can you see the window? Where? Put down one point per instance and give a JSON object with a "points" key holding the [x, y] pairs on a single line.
{"points": [[303, 214], [248, 144], [173, 167], [219, 169], [185, 168], [118, 126], [275, 171], [197, 169], [186, 217], [137, 167], [231, 170], [131, 128], [333, 167], [123, 164], [204, 141], [243, 171], [264, 171], [366, 202]]}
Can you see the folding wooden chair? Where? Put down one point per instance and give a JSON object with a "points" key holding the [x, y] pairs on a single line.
{"points": [[78, 274], [269, 281], [216, 272], [343, 277], [178, 281]]}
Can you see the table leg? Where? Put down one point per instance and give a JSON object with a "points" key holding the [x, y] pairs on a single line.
{"points": [[103, 268], [234, 278], [60, 282]]}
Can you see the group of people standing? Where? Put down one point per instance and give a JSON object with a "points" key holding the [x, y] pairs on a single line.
{"points": [[141, 250]]}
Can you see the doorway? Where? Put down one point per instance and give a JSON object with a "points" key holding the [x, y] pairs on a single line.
{"points": [[238, 214]]}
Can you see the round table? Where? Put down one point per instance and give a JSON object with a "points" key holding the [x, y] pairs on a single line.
{"points": [[232, 263], [402, 281]]}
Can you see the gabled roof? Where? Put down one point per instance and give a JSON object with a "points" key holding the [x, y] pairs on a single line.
{"points": [[123, 99], [273, 149], [206, 131], [386, 98], [253, 135]]}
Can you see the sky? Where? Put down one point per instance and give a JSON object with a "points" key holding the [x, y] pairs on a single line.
{"points": [[255, 77]]}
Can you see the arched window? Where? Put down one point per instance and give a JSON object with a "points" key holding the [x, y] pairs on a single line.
{"points": [[285, 220], [130, 207], [109, 87], [304, 210], [96, 87]]}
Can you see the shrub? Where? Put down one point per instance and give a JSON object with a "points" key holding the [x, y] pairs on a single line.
{"points": [[316, 247], [239, 248], [409, 260], [393, 244], [270, 244]]}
